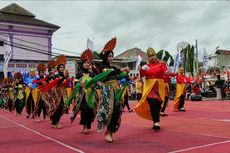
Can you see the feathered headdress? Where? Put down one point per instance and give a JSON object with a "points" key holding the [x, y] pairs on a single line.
{"points": [[87, 55], [61, 60], [41, 67], [110, 45], [51, 64], [17, 75], [6, 80]]}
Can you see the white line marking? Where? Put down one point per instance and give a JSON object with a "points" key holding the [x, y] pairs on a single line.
{"points": [[42, 135], [202, 146]]}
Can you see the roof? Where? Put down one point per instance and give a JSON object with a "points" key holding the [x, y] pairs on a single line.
{"points": [[132, 54], [223, 52], [14, 13]]}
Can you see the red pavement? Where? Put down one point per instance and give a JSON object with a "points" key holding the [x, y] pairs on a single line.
{"points": [[204, 127]]}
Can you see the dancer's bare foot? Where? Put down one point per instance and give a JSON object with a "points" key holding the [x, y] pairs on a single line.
{"points": [[86, 131], [38, 120], [114, 138], [108, 138], [59, 126]]}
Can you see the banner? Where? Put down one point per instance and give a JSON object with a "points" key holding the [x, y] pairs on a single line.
{"points": [[205, 60], [7, 57], [89, 44], [139, 59], [176, 63]]}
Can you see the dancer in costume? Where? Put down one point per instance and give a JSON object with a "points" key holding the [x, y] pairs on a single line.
{"points": [[31, 93], [56, 93], [20, 93], [181, 80], [111, 104], [9, 94], [153, 96], [139, 88], [166, 78], [41, 106], [87, 99]]}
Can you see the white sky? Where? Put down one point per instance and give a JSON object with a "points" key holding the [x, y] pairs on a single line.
{"points": [[139, 24]]}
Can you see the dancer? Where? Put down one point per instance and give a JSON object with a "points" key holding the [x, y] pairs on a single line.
{"points": [[87, 99], [154, 90], [111, 104], [56, 93], [181, 80], [41, 106], [166, 78], [19, 93], [31, 93]]}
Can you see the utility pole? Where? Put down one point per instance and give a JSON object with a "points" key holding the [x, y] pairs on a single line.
{"points": [[196, 56]]}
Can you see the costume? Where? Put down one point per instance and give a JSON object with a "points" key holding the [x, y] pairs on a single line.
{"points": [[20, 94], [9, 94], [86, 100], [56, 93], [111, 104], [154, 90], [166, 78], [31, 93], [181, 80], [139, 88], [40, 106]]}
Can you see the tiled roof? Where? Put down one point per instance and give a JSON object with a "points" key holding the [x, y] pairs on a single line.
{"points": [[132, 54], [14, 13], [223, 52]]}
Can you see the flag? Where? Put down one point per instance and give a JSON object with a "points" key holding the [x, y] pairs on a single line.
{"points": [[183, 58], [89, 44], [175, 67], [176, 63], [139, 59], [163, 54], [169, 61], [8, 52], [205, 60], [7, 56]]}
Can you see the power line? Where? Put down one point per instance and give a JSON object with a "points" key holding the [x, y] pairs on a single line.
{"points": [[28, 48], [40, 44]]}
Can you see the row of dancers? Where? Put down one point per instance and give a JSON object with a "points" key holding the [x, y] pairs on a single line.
{"points": [[98, 92]]}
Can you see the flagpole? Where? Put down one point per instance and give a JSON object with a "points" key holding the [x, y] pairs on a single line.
{"points": [[196, 56]]}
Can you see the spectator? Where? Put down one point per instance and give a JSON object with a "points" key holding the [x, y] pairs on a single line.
{"points": [[220, 88]]}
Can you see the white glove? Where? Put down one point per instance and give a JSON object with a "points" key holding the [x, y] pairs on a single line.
{"points": [[145, 67]]}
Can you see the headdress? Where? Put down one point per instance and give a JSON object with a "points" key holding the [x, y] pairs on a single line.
{"points": [[7, 80], [61, 60], [109, 46], [41, 67], [51, 64], [17, 75], [87, 55], [150, 52]]}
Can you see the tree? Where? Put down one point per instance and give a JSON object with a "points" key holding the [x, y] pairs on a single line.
{"points": [[167, 58]]}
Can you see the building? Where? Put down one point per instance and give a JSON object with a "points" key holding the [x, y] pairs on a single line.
{"points": [[130, 57], [220, 58], [29, 38]]}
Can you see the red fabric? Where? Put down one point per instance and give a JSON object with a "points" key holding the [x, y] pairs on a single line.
{"points": [[156, 70], [199, 80], [196, 90], [181, 78], [166, 77], [50, 85]]}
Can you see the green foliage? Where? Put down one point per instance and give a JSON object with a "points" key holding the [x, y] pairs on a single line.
{"points": [[167, 57], [96, 55], [190, 57]]}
